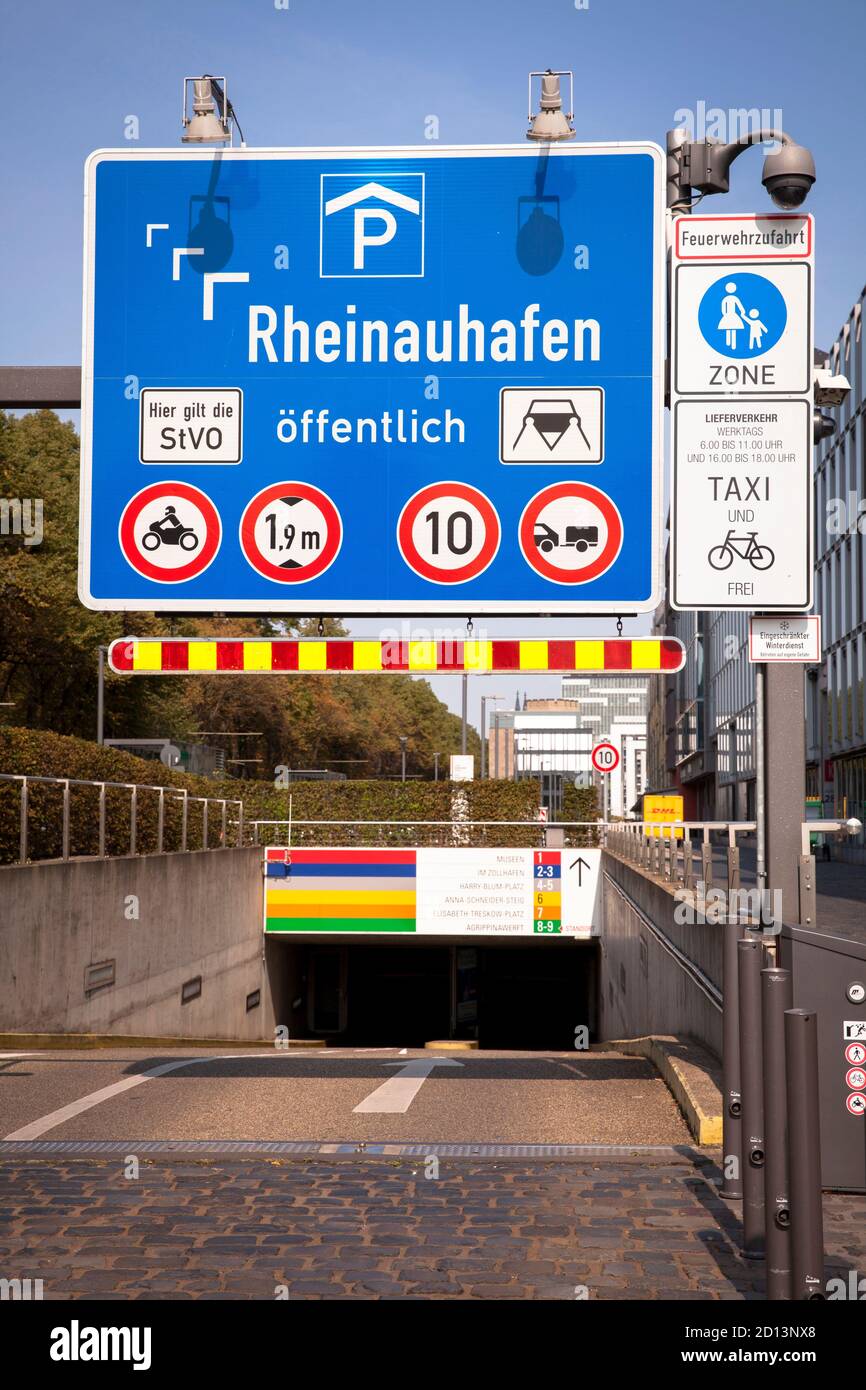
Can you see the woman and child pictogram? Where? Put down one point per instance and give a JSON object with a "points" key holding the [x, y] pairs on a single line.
{"points": [[742, 314], [736, 317]]}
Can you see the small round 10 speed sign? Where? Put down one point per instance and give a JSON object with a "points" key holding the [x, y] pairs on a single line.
{"points": [[605, 757], [448, 533]]}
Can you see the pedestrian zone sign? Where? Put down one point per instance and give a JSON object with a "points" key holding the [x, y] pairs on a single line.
{"points": [[741, 405], [421, 380]]}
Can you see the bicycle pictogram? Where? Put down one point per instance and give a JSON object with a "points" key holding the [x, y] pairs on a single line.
{"points": [[747, 547]]}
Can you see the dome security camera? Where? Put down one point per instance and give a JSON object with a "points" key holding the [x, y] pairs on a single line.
{"points": [[788, 175]]}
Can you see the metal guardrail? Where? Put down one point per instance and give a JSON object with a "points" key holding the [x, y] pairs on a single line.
{"points": [[668, 850], [180, 794], [456, 832], [690, 968]]}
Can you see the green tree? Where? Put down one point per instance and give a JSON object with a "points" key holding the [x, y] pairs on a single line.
{"points": [[49, 643], [48, 640]]}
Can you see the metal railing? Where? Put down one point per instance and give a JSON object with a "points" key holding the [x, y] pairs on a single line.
{"points": [[515, 834], [668, 850], [229, 824]]}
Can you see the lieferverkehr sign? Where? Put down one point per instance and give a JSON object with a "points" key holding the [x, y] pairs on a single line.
{"points": [[419, 380], [741, 407]]}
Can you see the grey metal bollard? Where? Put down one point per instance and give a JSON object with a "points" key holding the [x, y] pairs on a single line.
{"points": [[777, 996], [807, 1215], [732, 1101], [750, 959]]}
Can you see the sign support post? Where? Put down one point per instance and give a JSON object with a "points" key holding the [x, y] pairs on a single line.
{"points": [[760, 783], [785, 777]]}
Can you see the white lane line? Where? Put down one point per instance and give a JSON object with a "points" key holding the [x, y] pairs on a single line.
{"points": [[5, 1055], [396, 1094], [569, 1066], [77, 1107]]}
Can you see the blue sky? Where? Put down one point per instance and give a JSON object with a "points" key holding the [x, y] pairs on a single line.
{"points": [[342, 72]]}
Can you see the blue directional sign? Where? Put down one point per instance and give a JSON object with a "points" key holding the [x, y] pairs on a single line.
{"points": [[335, 381]]}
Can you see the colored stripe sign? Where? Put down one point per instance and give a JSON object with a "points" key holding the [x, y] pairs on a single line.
{"points": [[284, 656], [435, 892], [316, 890]]}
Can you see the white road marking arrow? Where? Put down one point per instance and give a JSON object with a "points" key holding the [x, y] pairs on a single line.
{"points": [[396, 1094]]}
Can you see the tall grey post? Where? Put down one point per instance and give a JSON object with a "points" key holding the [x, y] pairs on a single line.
{"points": [[100, 699], [751, 960], [483, 737], [777, 997], [785, 773], [464, 711], [732, 1101], [804, 1130]]}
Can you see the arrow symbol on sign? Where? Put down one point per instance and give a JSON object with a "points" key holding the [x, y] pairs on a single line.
{"points": [[396, 1094], [580, 864]]}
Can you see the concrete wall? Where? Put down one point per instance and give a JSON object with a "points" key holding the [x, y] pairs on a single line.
{"points": [[642, 989], [198, 914]]}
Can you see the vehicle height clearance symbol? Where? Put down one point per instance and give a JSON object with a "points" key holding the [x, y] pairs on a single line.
{"points": [[170, 532], [291, 532]]}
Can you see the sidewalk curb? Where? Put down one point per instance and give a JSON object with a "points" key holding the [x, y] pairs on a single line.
{"points": [[75, 1042], [692, 1075]]}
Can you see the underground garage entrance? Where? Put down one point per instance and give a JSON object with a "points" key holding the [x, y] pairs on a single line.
{"points": [[507, 994]]}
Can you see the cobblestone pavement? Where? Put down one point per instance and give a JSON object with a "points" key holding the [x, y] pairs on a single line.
{"points": [[643, 1227]]}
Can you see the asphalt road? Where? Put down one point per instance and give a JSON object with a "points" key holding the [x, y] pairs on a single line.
{"points": [[336, 1095]]}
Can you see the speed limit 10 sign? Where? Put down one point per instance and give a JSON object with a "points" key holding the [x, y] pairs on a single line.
{"points": [[605, 757]]}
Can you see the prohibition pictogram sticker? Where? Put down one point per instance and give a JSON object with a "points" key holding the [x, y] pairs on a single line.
{"points": [[170, 532]]}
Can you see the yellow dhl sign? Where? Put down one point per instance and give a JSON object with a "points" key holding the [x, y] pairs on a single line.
{"points": [[662, 810]]}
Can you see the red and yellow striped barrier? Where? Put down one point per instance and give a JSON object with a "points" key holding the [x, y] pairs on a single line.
{"points": [[154, 656]]}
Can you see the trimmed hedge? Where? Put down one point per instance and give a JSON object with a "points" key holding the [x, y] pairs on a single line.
{"points": [[39, 753], [381, 805], [579, 803]]}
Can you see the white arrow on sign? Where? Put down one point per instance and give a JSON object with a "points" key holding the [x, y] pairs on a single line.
{"points": [[396, 1094]]}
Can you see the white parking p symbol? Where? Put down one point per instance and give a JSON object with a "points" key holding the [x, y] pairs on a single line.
{"points": [[364, 239]]}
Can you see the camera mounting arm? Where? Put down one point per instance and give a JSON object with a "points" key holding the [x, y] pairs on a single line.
{"points": [[705, 165]]}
